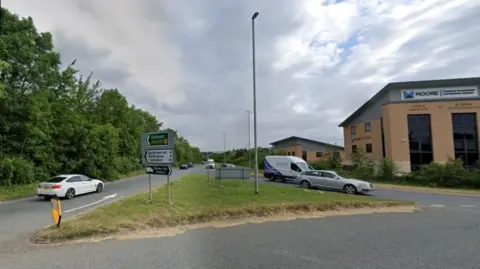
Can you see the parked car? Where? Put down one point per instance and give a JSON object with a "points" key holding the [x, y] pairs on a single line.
{"points": [[184, 166], [68, 186], [190, 164], [332, 180], [228, 165]]}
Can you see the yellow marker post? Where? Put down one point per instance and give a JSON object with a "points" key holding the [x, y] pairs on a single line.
{"points": [[56, 210]]}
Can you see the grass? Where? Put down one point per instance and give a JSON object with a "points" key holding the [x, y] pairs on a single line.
{"points": [[27, 190], [197, 201], [401, 186]]}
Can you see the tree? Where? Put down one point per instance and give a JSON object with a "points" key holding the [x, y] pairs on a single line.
{"points": [[56, 121]]}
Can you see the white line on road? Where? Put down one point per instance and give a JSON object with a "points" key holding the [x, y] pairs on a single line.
{"points": [[437, 205], [99, 201], [467, 205]]}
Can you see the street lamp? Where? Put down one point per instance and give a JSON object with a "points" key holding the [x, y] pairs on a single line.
{"points": [[224, 148], [249, 161], [254, 16]]}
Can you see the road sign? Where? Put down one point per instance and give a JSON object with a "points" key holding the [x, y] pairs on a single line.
{"points": [[159, 170], [158, 149], [159, 156]]}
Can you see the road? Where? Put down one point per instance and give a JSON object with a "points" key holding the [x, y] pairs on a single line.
{"points": [[444, 234], [22, 217]]}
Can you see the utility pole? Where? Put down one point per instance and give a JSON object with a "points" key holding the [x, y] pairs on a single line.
{"points": [[254, 16]]}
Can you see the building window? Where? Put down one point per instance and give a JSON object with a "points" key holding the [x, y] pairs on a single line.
{"points": [[420, 141], [293, 153], [288, 153], [465, 138], [368, 127], [368, 148], [353, 130], [354, 148], [336, 154], [304, 155], [319, 154]]}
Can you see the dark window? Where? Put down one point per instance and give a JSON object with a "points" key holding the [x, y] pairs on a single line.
{"points": [[368, 127], [368, 148], [354, 148], [420, 141], [288, 153], [304, 155], [465, 141], [336, 154], [383, 138], [295, 167], [74, 179], [353, 130], [56, 179], [328, 175], [319, 154], [293, 153]]}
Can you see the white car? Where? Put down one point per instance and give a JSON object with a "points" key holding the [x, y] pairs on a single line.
{"points": [[331, 180], [68, 186]]}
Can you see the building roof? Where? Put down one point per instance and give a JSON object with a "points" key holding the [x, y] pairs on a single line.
{"points": [[409, 85], [304, 139]]}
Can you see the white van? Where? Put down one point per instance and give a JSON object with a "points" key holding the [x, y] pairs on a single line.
{"points": [[210, 164], [284, 167]]}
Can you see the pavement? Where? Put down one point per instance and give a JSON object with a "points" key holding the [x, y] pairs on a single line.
{"points": [[444, 234]]}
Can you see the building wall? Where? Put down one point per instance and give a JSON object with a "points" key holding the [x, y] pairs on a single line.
{"points": [[396, 128], [362, 138], [297, 147]]}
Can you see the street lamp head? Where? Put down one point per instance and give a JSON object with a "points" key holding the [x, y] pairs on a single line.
{"points": [[255, 15]]}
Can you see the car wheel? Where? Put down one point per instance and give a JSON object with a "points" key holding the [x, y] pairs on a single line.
{"points": [[70, 193], [305, 184], [272, 178], [350, 189], [99, 188]]}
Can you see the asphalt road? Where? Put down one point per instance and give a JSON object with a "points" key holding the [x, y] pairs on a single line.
{"points": [[434, 238], [18, 219], [443, 235]]}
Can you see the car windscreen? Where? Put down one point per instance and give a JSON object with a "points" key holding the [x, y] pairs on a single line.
{"points": [[303, 166], [56, 179]]}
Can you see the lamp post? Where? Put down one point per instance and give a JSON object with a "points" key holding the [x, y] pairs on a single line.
{"points": [[254, 16], [224, 148], [249, 160]]}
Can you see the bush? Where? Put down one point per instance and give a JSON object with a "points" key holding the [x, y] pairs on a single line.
{"points": [[386, 169], [15, 171]]}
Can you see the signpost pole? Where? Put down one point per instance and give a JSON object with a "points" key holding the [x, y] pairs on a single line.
{"points": [[168, 187], [150, 187]]}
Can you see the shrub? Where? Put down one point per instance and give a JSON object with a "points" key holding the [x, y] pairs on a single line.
{"points": [[15, 171], [386, 169]]}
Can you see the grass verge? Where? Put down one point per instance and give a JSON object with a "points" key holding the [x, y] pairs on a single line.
{"points": [[427, 189], [27, 190], [199, 201]]}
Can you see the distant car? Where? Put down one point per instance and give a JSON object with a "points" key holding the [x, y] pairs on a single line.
{"points": [[228, 165], [68, 186], [184, 166], [210, 164], [190, 164], [332, 180]]}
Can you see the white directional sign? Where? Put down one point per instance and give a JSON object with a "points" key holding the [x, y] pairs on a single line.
{"points": [[159, 156]]}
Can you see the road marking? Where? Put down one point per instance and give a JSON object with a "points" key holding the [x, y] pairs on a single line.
{"points": [[99, 201], [437, 205], [467, 205]]}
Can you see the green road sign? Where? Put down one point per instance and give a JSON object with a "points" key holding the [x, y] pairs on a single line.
{"points": [[158, 139]]}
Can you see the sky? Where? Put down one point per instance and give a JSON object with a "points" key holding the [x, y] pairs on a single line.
{"points": [[189, 63]]}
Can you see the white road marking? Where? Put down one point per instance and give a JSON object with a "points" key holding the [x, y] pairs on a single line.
{"points": [[437, 205], [467, 205], [87, 205]]}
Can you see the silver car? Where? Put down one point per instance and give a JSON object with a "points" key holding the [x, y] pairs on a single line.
{"points": [[331, 180]]}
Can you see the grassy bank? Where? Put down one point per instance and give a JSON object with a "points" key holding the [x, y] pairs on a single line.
{"points": [[22, 191], [198, 201]]}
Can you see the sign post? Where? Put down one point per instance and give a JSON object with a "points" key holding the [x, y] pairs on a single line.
{"points": [[158, 156]]}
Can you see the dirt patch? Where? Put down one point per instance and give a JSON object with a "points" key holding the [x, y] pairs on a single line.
{"points": [[174, 231]]}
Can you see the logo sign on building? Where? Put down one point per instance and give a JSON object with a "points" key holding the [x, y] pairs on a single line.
{"points": [[439, 93], [158, 149]]}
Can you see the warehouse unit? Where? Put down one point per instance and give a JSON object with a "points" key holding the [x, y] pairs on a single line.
{"points": [[415, 123], [307, 149]]}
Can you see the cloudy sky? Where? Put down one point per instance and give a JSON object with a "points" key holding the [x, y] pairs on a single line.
{"points": [[188, 62]]}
